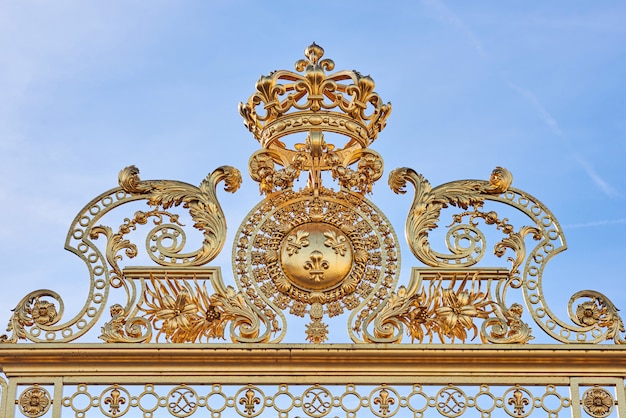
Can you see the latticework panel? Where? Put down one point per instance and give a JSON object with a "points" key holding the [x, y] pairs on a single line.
{"points": [[423, 398]]}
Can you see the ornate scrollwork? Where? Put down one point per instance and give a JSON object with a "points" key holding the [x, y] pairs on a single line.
{"points": [[428, 203], [123, 330], [451, 401], [375, 399], [316, 254], [116, 243], [597, 313], [507, 328], [34, 311], [79, 242], [316, 251], [470, 233], [201, 202], [44, 323]]}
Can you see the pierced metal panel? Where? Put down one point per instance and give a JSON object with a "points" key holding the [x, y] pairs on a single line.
{"points": [[193, 399]]}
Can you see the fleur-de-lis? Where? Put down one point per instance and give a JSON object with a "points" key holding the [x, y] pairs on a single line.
{"points": [[316, 266], [518, 401], [249, 401], [384, 401], [114, 401], [337, 243], [295, 243]]}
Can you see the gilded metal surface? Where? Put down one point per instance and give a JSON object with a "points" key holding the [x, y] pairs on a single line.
{"points": [[598, 402], [445, 310], [330, 256], [34, 401], [341, 103], [293, 102], [316, 251], [201, 380], [186, 314], [467, 245], [418, 399], [334, 252], [37, 316]]}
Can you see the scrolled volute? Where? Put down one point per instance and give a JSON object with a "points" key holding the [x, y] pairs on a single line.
{"points": [[202, 203], [125, 330], [506, 327], [37, 314], [396, 313], [597, 312], [428, 202]]}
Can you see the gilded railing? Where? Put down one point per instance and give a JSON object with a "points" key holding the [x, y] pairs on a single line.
{"points": [[283, 400], [297, 380]]}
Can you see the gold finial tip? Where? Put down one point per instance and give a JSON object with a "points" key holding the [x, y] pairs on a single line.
{"points": [[314, 52]]}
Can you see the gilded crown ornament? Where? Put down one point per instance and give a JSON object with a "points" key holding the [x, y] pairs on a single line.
{"points": [[314, 102], [343, 102]]}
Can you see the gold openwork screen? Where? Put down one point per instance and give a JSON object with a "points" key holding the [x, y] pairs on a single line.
{"points": [[317, 318]]}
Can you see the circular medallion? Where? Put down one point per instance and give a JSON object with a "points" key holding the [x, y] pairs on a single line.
{"points": [[316, 256], [34, 401], [296, 250]]}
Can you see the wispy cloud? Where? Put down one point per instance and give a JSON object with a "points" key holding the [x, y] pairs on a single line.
{"points": [[530, 97], [610, 20], [445, 15], [551, 122], [609, 190], [596, 223]]}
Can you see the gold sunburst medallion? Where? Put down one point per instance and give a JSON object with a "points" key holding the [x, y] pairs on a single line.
{"points": [[297, 249]]}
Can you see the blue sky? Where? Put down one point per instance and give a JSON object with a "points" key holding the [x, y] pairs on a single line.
{"points": [[87, 88]]}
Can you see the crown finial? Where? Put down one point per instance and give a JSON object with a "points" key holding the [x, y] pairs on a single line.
{"points": [[314, 52]]}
